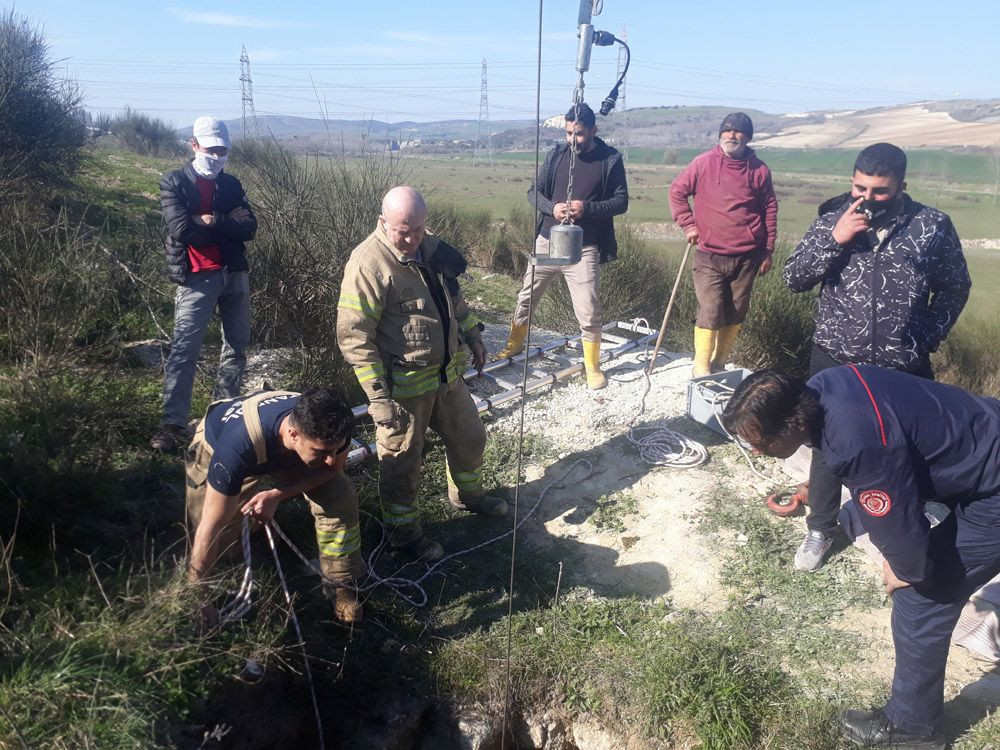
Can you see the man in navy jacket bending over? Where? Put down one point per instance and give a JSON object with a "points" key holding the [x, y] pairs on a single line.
{"points": [[897, 441]]}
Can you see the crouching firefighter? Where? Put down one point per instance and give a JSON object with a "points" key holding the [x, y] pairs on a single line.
{"points": [[404, 326], [300, 442]]}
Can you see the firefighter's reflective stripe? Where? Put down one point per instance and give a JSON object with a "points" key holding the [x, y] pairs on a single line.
{"points": [[369, 372], [399, 514], [466, 481], [339, 543], [369, 309]]}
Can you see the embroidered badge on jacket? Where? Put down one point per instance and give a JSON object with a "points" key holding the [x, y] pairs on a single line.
{"points": [[875, 502]]}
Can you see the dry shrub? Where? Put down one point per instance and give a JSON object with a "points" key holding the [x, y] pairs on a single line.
{"points": [[311, 212]]}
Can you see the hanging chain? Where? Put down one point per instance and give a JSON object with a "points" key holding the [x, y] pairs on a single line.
{"points": [[572, 161]]}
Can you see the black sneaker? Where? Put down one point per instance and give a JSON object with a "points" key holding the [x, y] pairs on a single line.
{"points": [[169, 438], [874, 729]]}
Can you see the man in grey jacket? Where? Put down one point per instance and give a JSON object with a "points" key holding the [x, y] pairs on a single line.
{"points": [[893, 281]]}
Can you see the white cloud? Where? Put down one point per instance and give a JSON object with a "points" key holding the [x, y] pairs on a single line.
{"points": [[227, 19]]}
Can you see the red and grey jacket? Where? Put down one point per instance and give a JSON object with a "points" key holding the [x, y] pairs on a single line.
{"points": [[180, 200], [898, 441], [735, 209], [886, 302]]}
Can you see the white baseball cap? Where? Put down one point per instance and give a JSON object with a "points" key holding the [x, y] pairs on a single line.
{"points": [[210, 131]]}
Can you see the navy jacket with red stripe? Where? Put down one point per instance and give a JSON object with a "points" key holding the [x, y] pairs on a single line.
{"points": [[897, 441]]}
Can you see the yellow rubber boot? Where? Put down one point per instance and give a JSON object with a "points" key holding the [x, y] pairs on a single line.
{"points": [[723, 346], [704, 346], [515, 341], [592, 364]]}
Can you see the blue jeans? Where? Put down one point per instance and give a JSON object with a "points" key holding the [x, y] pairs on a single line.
{"points": [[195, 303]]}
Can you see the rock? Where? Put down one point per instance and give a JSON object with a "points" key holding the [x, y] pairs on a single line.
{"points": [[542, 732], [149, 353], [476, 732]]}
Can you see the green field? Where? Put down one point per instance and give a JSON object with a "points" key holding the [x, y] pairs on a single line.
{"points": [[961, 184]]}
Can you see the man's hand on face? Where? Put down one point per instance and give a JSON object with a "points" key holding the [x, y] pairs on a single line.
{"points": [[851, 224], [765, 266]]}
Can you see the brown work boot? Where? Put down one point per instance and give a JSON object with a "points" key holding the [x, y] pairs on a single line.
{"points": [[487, 505], [423, 549], [169, 438], [346, 607]]}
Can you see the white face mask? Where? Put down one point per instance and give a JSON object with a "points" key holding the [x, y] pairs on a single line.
{"points": [[208, 165]]}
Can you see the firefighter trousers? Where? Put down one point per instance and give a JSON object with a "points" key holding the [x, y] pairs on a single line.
{"points": [[450, 411], [334, 506]]}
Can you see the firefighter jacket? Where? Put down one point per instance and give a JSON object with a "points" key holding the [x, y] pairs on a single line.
{"points": [[390, 327], [897, 442], [887, 298]]}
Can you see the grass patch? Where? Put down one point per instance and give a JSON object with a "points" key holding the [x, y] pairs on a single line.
{"points": [[797, 610], [613, 510], [676, 676]]}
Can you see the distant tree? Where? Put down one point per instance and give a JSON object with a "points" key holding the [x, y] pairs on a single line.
{"points": [[141, 133], [41, 131]]}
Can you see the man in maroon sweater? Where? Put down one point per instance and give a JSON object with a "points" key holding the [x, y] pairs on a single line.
{"points": [[734, 224]]}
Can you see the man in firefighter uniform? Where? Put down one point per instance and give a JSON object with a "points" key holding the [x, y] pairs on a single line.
{"points": [[403, 325], [897, 441], [301, 442]]}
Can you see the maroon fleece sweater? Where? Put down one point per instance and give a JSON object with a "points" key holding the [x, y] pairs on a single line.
{"points": [[735, 210]]}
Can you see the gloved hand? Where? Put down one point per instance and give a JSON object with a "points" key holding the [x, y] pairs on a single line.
{"points": [[388, 413]]}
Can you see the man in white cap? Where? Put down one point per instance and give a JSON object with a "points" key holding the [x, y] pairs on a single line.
{"points": [[208, 222]]}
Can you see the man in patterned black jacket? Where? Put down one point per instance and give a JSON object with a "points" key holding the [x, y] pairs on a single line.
{"points": [[893, 282]]}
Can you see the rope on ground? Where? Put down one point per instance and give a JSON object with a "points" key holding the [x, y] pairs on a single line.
{"points": [[238, 606], [658, 444], [298, 631]]}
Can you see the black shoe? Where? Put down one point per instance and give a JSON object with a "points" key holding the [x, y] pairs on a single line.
{"points": [[169, 438], [874, 729]]}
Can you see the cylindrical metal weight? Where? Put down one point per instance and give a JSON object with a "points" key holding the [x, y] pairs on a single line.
{"points": [[565, 246]]}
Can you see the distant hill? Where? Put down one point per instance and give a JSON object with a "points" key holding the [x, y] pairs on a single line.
{"points": [[942, 124]]}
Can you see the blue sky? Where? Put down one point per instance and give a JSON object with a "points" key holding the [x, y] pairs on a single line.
{"points": [[422, 61]]}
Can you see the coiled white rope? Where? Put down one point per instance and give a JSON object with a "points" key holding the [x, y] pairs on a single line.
{"points": [[657, 443]]}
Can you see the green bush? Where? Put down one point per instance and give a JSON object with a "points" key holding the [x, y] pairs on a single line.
{"points": [[311, 214], [56, 289], [141, 133], [41, 127], [779, 327], [969, 357]]}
